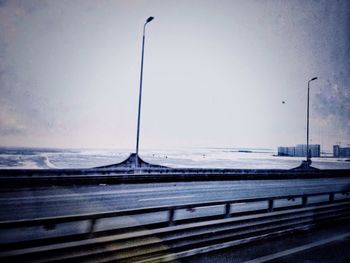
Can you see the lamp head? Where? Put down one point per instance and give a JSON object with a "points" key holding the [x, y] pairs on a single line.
{"points": [[313, 78], [149, 19]]}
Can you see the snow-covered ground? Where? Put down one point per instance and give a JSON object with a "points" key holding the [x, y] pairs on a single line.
{"points": [[192, 157]]}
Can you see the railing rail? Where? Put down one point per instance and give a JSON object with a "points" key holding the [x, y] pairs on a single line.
{"points": [[93, 217], [81, 172]]}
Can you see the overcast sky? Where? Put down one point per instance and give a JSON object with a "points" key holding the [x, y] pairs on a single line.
{"points": [[215, 73]]}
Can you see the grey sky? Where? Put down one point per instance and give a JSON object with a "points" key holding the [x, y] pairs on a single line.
{"points": [[216, 73]]}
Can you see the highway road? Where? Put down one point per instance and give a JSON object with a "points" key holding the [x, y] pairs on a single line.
{"points": [[26, 203]]}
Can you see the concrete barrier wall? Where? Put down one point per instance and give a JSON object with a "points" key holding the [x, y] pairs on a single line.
{"points": [[25, 177]]}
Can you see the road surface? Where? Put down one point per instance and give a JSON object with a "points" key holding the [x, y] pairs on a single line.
{"points": [[24, 203], [27, 203]]}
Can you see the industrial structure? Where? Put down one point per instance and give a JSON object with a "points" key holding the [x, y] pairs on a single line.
{"points": [[341, 151], [300, 150]]}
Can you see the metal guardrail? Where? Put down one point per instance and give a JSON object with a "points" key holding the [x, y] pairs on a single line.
{"points": [[51, 222]]}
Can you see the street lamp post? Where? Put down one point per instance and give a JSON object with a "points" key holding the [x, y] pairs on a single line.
{"points": [[308, 155], [140, 91]]}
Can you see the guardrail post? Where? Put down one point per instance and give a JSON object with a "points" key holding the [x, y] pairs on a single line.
{"points": [[227, 209], [92, 226], [331, 197], [304, 200], [270, 208], [171, 216]]}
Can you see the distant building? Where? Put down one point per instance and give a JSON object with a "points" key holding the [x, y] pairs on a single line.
{"points": [[341, 151], [300, 150], [286, 151], [315, 150]]}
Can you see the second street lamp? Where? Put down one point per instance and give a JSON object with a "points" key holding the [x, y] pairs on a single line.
{"points": [[140, 92], [308, 155]]}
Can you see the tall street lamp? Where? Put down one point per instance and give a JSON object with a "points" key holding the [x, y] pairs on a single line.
{"points": [[308, 155], [140, 92]]}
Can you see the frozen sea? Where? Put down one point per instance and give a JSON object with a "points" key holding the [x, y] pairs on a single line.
{"points": [[42, 158]]}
